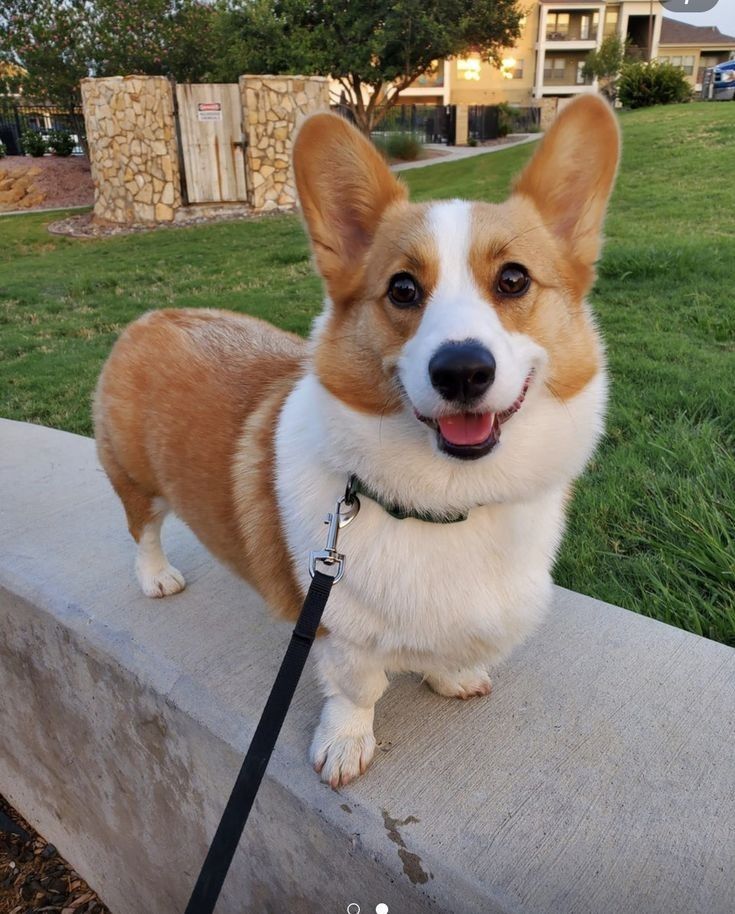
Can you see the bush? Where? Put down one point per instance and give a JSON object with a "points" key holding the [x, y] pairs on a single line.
{"points": [[654, 82], [505, 119], [3, 150], [402, 146], [33, 144], [61, 143]]}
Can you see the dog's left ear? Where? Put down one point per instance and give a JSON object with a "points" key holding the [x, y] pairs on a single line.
{"points": [[571, 176], [344, 187]]}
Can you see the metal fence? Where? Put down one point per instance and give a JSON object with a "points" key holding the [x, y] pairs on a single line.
{"points": [[17, 118], [488, 122], [428, 123]]}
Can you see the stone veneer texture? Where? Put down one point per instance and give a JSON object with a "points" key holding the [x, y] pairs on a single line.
{"points": [[273, 107], [132, 148]]}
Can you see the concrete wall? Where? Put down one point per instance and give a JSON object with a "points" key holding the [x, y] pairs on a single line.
{"points": [[596, 778]]}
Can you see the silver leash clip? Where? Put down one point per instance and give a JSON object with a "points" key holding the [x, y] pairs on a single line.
{"points": [[344, 513]]}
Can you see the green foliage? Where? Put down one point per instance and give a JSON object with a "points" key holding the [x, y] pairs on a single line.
{"points": [[3, 150], [505, 119], [404, 147], [378, 45], [59, 43], [606, 64], [34, 144], [61, 143], [654, 82]]}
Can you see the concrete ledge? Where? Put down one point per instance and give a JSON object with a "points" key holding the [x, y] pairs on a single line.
{"points": [[598, 777]]}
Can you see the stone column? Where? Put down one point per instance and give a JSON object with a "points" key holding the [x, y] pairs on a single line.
{"points": [[462, 130], [132, 148], [273, 107]]}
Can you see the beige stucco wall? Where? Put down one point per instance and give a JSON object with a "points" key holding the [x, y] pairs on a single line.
{"points": [[273, 108], [132, 148]]}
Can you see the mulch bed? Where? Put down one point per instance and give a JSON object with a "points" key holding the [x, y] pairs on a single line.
{"points": [[55, 182], [34, 879]]}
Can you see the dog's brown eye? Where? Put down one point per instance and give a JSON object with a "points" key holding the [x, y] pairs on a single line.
{"points": [[404, 291], [513, 279]]}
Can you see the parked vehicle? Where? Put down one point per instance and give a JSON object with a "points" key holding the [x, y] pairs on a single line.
{"points": [[724, 81]]}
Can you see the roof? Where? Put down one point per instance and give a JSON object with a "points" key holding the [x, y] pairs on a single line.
{"points": [[674, 32]]}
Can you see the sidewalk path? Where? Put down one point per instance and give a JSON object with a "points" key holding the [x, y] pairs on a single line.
{"points": [[454, 153]]}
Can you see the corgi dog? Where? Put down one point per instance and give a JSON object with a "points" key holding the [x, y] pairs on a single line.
{"points": [[456, 371]]}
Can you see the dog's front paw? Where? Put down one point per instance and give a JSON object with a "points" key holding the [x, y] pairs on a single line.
{"points": [[464, 684], [340, 755], [159, 582]]}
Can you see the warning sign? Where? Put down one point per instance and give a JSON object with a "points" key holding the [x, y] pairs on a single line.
{"points": [[209, 111]]}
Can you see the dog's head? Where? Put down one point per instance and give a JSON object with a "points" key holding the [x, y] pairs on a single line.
{"points": [[452, 314]]}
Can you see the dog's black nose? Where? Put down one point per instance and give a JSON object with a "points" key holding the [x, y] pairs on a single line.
{"points": [[462, 371]]}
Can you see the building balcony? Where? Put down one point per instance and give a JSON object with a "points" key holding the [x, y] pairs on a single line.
{"points": [[561, 89]]}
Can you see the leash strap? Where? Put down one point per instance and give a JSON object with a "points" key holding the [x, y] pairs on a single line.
{"points": [[229, 831]]}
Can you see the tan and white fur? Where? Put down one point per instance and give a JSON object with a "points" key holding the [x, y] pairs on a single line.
{"points": [[249, 433]]}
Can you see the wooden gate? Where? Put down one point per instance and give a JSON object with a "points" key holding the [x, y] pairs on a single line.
{"points": [[211, 136]]}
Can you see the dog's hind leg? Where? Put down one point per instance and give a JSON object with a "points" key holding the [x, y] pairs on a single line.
{"points": [[460, 683], [145, 514], [156, 575]]}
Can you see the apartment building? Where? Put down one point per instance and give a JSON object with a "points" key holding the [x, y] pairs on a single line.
{"points": [[549, 57], [694, 48]]}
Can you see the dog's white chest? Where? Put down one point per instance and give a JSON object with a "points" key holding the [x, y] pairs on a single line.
{"points": [[463, 592]]}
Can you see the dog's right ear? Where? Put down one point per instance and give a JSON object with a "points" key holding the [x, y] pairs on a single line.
{"points": [[344, 187]]}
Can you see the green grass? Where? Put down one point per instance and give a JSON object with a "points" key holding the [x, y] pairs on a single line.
{"points": [[652, 523]]}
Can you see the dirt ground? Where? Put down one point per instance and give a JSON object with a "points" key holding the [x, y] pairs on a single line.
{"points": [[34, 878], [44, 183]]}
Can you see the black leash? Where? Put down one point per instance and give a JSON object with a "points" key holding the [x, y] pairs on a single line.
{"points": [[229, 831]]}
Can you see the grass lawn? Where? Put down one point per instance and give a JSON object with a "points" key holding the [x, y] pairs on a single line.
{"points": [[653, 521]]}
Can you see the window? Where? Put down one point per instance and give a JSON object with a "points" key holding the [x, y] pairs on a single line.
{"points": [[518, 71], [611, 22], [580, 73], [557, 26], [584, 28], [554, 68], [684, 63]]}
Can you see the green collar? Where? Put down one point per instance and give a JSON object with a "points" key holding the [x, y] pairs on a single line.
{"points": [[356, 486]]}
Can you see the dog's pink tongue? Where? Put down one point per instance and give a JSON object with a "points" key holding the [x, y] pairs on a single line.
{"points": [[466, 428]]}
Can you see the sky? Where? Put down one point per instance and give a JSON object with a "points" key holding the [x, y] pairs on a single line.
{"points": [[723, 16]]}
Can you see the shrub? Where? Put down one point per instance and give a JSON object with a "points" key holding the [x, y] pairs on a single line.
{"points": [[33, 144], [505, 119], [403, 146], [61, 143], [654, 82], [3, 150]]}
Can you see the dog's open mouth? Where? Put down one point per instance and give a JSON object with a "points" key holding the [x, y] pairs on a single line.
{"points": [[472, 435]]}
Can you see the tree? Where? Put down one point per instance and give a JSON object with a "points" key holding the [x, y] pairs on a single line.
{"points": [[58, 42], [373, 48], [606, 64], [44, 42]]}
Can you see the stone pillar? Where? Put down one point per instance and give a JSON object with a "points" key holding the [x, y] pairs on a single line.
{"points": [[548, 108], [132, 148], [273, 107], [462, 130]]}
